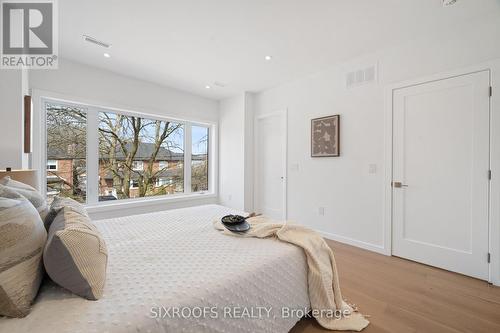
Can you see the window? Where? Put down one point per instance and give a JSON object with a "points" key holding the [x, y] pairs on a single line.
{"points": [[95, 154], [137, 165], [163, 181], [163, 165], [199, 159], [130, 148], [66, 151], [52, 165]]}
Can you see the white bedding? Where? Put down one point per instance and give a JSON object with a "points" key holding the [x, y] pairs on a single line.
{"points": [[176, 259]]}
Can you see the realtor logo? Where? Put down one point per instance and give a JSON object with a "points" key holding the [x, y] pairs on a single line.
{"points": [[29, 34]]}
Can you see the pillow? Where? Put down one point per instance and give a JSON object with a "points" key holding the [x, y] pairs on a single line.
{"points": [[29, 193], [75, 255], [58, 204], [22, 238], [7, 181]]}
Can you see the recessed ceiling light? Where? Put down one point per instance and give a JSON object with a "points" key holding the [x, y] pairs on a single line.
{"points": [[207, 87], [107, 55], [268, 57]]}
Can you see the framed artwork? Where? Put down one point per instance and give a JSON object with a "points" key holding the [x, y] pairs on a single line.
{"points": [[27, 124], [325, 138]]}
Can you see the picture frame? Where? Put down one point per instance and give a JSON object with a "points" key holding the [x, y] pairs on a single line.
{"points": [[27, 124], [325, 136]]}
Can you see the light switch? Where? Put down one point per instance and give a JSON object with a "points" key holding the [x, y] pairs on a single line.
{"points": [[372, 168]]}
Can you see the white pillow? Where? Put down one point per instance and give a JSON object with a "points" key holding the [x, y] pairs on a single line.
{"points": [[29, 193]]}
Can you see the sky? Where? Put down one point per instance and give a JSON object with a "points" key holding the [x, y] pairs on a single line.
{"points": [[199, 141], [199, 134]]}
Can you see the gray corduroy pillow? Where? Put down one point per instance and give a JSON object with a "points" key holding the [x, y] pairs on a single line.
{"points": [[22, 238], [58, 204], [75, 256]]}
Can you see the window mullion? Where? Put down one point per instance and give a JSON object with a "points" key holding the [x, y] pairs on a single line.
{"points": [[92, 156], [187, 158], [212, 159]]}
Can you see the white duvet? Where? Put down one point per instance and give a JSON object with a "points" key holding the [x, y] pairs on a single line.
{"points": [[171, 271]]}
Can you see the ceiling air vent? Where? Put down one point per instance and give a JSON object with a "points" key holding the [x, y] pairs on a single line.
{"points": [[219, 84], [447, 3], [361, 76], [96, 41]]}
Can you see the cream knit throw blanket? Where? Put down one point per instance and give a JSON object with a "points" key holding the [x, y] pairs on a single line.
{"points": [[323, 279]]}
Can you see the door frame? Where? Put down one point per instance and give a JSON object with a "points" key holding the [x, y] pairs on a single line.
{"points": [[493, 68], [283, 113]]}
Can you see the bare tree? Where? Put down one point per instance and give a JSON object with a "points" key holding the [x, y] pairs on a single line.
{"points": [[108, 148], [66, 139], [162, 131], [121, 137], [199, 178]]}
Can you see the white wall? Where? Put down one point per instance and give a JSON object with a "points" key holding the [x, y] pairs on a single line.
{"points": [[84, 84], [236, 152], [232, 152], [353, 197], [114, 90], [13, 87], [249, 152]]}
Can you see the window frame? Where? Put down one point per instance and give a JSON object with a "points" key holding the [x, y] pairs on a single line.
{"points": [[160, 163], [49, 164], [40, 98], [140, 168], [163, 180]]}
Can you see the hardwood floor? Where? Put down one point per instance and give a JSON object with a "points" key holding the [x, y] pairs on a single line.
{"points": [[404, 296]]}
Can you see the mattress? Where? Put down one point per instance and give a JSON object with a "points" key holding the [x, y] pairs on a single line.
{"points": [[171, 271]]}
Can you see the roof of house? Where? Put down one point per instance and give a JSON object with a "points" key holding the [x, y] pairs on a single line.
{"points": [[144, 152], [59, 153], [167, 173]]}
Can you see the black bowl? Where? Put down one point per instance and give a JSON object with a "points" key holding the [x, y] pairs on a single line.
{"points": [[233, 219], [235, 223]]}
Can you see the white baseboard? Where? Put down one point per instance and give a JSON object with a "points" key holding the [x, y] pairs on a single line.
{"points": [[350, 241], [495, 282]]}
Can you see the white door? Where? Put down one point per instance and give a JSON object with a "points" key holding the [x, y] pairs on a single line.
{"points": [[270, 173], [440, 173]]}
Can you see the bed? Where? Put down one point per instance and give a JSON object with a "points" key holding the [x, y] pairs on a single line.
{"points": [[172, 262]]}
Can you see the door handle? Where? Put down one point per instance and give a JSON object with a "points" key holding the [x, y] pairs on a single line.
{"points": [[398, 185]]}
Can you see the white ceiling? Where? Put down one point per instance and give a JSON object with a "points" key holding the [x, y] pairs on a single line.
{"points": [[188, 44]]}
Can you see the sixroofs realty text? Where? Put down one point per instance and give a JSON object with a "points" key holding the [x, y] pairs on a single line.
{"points": [[242, 312]]}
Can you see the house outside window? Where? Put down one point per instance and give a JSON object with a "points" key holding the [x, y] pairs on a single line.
{"points": [[134, 184], [52, 165], [199, 158]]}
